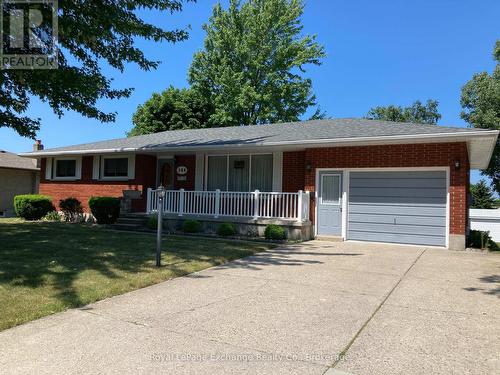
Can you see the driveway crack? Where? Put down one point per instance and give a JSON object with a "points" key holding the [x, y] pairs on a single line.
{"points": [[350, 343]]}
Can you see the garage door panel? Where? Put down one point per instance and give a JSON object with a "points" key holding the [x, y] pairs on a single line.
{"points": [[397, 192], [397, 238], [397, 228], [400, 175], [400, 219], [401, 200], [398, 209], [401, 207], [404, 182]]}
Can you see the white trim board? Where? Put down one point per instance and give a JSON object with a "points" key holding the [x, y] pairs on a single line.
{"points": [[199, 171], [396, 244], [345, 193], [278, 171]]}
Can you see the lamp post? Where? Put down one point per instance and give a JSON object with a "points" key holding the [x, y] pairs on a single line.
{"points": [[160, 192]]}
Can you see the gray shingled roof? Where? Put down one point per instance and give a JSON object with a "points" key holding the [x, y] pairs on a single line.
{"points": [[10, 160], [263, 135]]}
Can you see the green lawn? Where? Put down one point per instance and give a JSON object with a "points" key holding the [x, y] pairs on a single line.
{"points": [[49, 267]]}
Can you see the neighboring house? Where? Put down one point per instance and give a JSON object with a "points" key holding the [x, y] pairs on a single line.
{"points": [[17, 176], [486, 220], [368, 180]]}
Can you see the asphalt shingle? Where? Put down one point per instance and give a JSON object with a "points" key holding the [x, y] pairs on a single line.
{"points": [[266, 134], [10, 160]]}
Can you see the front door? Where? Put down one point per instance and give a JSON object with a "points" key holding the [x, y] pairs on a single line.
{"points": [[166, 173], [330, 204]]}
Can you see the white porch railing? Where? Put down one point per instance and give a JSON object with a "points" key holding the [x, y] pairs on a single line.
{"points": [[255, 204]]}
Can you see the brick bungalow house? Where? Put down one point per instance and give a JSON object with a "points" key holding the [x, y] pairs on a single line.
{"points": [[353, 179]]}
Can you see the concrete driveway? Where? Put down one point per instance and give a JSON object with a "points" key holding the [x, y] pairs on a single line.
{"points": [[361, 308]]}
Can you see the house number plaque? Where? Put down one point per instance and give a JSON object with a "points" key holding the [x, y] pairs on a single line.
{"points": [[181, 173]]}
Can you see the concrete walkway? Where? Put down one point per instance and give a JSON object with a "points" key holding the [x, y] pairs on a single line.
{"points": [[361, 308]]}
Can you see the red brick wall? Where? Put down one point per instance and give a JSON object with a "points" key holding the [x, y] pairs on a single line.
{"points": [[83, 189], [293, 171], [188, 161], [414, 155]]}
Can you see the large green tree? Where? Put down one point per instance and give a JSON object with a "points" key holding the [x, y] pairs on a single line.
{"points": [[482, 196], [252, 64], [481, 109], [91, 32], [417, 113], [173, 109]]}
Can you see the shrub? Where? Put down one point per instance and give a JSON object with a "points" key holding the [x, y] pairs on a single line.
{"points": [[72, 209], [191, 226], [481, 240], [105, 209], [52, 216], [226, 229], [152, 222], [32, 206], [274, 232]]}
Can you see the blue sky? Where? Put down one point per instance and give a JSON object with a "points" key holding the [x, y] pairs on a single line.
{"points": [[378, 53]]}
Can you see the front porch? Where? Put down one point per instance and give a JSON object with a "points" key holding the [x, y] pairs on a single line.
{"points": [[251, 212], [229, 204]]}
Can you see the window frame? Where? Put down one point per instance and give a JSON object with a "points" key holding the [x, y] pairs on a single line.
{"points": [[130, 167], [339, 200], [228, 163], [250, 156], [273, 171], [207, 168], [78, 168], [107, 160]]}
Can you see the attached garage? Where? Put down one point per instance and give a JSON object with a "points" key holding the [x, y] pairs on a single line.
{"points": [[398, 206]]}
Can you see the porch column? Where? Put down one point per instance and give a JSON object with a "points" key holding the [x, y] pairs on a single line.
{"points": [[300, 206], [256, 204], [217, 203], [181, 202], [148, 201]]}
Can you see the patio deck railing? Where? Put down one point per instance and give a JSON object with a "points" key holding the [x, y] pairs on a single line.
{"points": [[255, 204]]}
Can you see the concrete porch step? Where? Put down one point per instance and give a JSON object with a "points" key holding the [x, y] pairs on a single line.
{"points": [[130, 221]]}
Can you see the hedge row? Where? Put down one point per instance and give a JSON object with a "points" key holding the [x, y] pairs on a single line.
{"points": [[36, 206]]}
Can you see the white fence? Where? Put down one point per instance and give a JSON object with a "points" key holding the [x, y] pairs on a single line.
{"points": [[255, 204], [487, 220]]}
